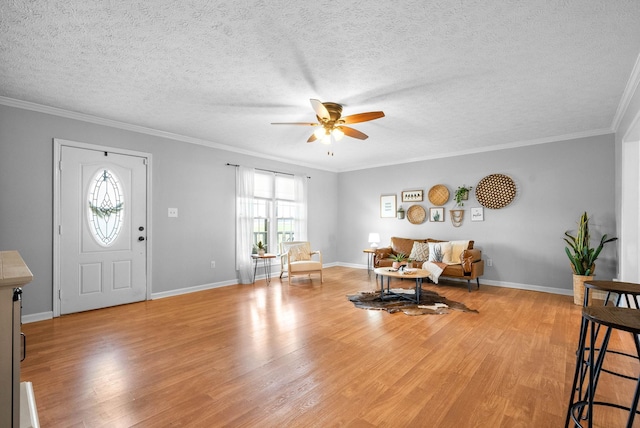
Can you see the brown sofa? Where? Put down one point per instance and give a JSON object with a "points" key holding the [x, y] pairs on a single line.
{"points": [[470, 268]]}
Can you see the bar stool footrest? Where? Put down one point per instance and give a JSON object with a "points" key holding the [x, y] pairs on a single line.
{"points": [[580, 406]]}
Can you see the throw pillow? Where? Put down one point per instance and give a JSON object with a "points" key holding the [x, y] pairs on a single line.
{"points": [[440, 252], [420, 251], [299, 252], [457, 247]]}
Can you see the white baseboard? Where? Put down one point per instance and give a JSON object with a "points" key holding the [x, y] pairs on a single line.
{"points": [[530, 287], [351, 265], [26, 319], [187, 290]]}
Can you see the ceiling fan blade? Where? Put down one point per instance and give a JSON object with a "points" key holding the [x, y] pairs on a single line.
{"points": [[353, 133], [312, 138], [296, 123], [362, 117], [320, 109]]}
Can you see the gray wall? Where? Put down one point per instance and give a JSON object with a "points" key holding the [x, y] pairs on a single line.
{"points": [[193, 178], [555, 182]]}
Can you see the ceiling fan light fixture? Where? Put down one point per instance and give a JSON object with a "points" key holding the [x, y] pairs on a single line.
{"points": [[331, 122], [326, 138]]}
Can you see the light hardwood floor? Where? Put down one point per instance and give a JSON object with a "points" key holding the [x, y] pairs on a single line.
{"points": [[302, 355]]}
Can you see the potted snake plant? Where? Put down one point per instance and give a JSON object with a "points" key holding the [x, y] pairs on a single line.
{"points": [[582, 256]]}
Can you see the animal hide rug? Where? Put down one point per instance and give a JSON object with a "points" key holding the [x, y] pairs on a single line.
{"points": [[430, 302]]}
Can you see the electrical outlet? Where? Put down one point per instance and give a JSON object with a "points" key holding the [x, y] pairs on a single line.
{"points": [[489, 262], [173, 212], [213, 264]]}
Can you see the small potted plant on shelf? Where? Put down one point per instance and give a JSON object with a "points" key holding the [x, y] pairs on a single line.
{"points": [[261, 248], [582, 256], [461, 194], [398, 260]]}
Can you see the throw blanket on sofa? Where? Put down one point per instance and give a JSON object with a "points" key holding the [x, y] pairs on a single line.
{"points": [[434, 269]]}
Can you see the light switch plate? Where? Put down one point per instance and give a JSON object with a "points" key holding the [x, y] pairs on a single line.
{"points": [[173, 212]]}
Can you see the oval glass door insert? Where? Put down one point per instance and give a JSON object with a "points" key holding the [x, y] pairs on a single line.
{"points": [[105, 208]]}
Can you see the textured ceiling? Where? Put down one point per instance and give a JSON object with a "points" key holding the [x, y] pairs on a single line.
{"points": [[452, 76]]}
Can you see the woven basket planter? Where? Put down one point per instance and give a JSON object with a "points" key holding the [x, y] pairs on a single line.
{"points": [[578, 288]]}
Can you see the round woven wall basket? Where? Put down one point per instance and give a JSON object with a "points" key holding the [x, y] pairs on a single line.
{"points": [[439, 194], [416, 214], [495, 191]]}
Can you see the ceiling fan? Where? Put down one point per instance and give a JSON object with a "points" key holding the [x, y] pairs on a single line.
{"points": [[332, 123]]}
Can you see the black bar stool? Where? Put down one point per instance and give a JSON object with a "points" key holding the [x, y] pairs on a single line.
{"points": [[626, 292], [625, 319]]}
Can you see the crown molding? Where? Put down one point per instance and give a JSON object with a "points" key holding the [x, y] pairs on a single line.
{"points": [[26, 105], [514, 145], [627, 95], [11, 102]]}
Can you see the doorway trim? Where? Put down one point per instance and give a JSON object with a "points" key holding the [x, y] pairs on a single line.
{"points": [[57, 153], [630, 204]]}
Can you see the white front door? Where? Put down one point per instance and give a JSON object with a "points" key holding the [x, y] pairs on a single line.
{"points": [[103, 231]]}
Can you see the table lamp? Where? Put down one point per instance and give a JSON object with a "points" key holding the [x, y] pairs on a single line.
{"points": [[374, 238]]}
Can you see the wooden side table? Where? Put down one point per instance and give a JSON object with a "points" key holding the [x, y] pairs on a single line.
{"points": [[266, 263], [370, 253]]}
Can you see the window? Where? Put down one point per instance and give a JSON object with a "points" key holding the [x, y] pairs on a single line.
{"points": [[105, 208], [276, 213]]}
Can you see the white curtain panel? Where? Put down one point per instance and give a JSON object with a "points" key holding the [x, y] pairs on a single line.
{"points": [[244, 223], [300, 225]]}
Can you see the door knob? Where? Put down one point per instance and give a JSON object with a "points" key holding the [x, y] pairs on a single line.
{"points": [[141, 238]]}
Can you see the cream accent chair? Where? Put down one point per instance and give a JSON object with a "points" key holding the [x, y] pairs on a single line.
{"points": [[295, 259]]}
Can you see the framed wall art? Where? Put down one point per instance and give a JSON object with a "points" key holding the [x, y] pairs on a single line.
{"points": [[436, 214], [388, 206], [412, 196], [477, 214]]}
